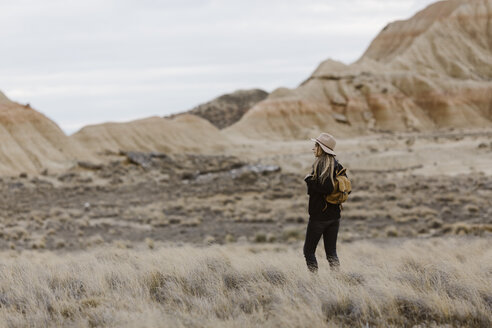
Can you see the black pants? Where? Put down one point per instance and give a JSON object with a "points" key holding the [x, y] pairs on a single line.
{"points": [[329, 230]]}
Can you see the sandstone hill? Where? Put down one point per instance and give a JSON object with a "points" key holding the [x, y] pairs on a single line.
{"points": [[431, 71], [185, 133], [195, 131], [30, 142], [227, 109]]}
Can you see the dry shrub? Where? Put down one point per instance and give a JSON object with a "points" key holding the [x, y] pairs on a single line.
{"points": [[295, 219], [274, 276], [95, 240], [422, 212], [408, 231], [71, 286], [436, 223], [446, 198], [414, 310], [156, 282], [391, 231], [91, 302], [470, 208], [292, 234], [351, 278], [160, 221], [192, 222], [173, 221], [355, 215], [150, 243], [229, 238], [59, 243], [15, 233], [341, 309], [235, 280], [260, 237], [209, 240], [407, 219], [255, 218], [463, 228], [348, 237], [271, 238]]}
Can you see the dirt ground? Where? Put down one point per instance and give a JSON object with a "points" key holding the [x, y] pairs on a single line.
{"points": [[404, 185]]}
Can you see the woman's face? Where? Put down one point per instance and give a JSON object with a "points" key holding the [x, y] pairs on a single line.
{"points": [[317, 150]]}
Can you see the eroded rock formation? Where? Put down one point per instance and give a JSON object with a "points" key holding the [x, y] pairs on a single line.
{"points": [[185, 133], [31, 142], [431, 71]]}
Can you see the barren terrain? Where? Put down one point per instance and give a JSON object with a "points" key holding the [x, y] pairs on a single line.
{"points": [[163, 222], [137, 197], [188, 240]]}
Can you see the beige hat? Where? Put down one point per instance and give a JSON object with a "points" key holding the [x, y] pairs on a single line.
{"points": [[326, 142]]}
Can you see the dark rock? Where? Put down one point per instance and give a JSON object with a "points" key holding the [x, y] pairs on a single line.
{"points": [[116, 180], [340, 118], [142, 159], [229, 108], [258, 169], [158, 155], [279, 194], [247, 177], [89, 165], [67, 177], [85, 180], [188, 175], [15, 185], [42, 183]]}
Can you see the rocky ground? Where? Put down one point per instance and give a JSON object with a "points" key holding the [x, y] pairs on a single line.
{"points": [[150, 197]]}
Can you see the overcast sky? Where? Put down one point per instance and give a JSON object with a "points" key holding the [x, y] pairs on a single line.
{"points": [[90, 61]]}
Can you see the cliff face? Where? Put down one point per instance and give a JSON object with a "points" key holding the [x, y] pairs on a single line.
{"points": [[431, 71], [30, 142]]}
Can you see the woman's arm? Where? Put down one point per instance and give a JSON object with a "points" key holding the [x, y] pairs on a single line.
{"points": [[316, 185]]}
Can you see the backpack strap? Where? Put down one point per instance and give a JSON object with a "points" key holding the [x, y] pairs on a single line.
{"points": [[342, 171]]}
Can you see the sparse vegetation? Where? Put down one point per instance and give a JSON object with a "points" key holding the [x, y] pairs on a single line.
{"points": [[133, 267], [440, 281], [157, 203]]}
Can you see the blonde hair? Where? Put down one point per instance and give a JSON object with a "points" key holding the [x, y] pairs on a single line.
{"points": [[323, 167]]}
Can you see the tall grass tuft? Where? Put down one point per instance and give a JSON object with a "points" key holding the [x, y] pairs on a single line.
{"points": [[393, 283]]}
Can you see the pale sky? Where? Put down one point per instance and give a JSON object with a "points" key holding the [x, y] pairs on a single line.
{"points": [[90, 61]]}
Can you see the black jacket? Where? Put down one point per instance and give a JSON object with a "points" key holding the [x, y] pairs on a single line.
{"points": [[319, 208]]}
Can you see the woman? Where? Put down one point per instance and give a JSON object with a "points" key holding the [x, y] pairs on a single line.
{"points": [[324, 218]]}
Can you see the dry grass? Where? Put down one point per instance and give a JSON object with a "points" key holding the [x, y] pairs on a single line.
{"points": [[396, 283]]}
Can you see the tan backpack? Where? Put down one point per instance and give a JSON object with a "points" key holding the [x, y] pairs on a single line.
{"points": [[341, 188]]}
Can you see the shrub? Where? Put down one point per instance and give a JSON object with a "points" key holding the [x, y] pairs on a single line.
{"points": [[391, 231]]}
